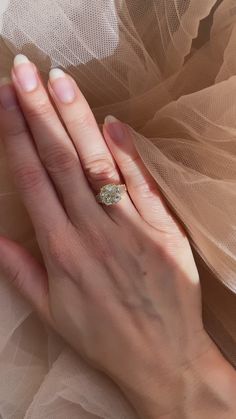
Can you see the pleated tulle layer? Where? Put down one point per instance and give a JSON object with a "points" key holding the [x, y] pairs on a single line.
{"points": [[167, 68]]}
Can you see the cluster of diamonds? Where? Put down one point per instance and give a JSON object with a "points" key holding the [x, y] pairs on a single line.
{"points": [[110, 194]]}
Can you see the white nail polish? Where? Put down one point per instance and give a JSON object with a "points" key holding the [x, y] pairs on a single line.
{"points": [[56, 73], [20, 59], [110, 119], [63, 86]]}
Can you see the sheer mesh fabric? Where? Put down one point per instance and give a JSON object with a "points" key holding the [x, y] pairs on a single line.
{"points": [[167, 68]]}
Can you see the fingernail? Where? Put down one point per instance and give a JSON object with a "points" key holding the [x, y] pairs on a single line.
{"points": [[8, 99], [115, 128], [25, 73], [62, 86]]}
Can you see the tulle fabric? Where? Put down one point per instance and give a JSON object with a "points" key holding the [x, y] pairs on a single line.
{"points": [[167, 68]]}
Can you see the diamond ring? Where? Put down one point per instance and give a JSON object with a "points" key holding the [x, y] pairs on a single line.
{"points": [[111, 194]]}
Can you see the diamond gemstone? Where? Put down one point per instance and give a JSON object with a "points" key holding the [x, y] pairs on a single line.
{"points": [[110, 194]]}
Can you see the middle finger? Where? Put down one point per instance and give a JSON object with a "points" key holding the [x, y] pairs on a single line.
{"points": [[96, 159]]}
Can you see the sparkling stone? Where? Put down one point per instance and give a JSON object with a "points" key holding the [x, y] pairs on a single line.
{"points": [[110, 194]]}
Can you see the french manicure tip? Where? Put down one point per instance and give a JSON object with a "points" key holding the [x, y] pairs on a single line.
{"points": [[56, 73], [20, 59], [110, 119]]}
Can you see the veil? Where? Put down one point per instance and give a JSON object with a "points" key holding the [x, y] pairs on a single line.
{"points": [[168, 69]]}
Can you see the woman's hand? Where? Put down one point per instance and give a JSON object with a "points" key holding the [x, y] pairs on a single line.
{"points": [[119, 283]]}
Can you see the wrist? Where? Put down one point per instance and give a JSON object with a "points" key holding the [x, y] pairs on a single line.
{"points": [[214, 396], [204, 389]]}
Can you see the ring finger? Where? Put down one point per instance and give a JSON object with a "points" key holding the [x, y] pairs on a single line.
{"points": [[96, 159]]}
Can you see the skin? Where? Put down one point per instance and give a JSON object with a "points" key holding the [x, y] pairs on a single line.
{"points": [[119, 283]]}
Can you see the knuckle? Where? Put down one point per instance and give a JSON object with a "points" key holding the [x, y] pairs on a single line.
{"points": [[16, 130], [58, 160], [99, 168], [97, 242], [147, 189], [28, 177], [56, 248], [17, 279], [130, 163], [61, 243], [39, 111], [83, 121]]}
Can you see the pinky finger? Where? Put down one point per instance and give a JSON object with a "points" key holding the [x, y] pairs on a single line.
{"points": [[142, 187]]}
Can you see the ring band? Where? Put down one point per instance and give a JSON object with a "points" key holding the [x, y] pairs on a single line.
{"points": [[111, 194]]}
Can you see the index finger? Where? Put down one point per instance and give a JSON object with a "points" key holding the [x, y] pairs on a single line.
{"points": [[31, 179]]}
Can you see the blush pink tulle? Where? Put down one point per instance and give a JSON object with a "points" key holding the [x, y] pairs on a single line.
{"points": [[167, 68]]}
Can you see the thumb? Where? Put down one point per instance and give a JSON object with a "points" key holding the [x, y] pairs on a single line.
{"points": [[26, 274]]}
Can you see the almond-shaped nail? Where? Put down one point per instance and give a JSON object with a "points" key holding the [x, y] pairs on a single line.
{"points": [[8, 99], [62, 86], [25, 73], [115, 128]]}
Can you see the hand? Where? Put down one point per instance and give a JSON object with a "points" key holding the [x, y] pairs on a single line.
{"points": [[119, 283]]}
